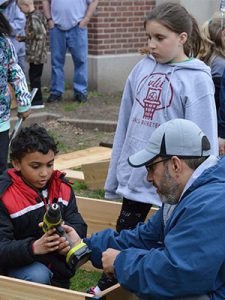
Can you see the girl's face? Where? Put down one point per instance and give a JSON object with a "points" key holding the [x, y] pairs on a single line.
{"points": [[165, 45]]}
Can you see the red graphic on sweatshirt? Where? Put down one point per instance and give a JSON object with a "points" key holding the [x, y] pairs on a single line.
{"points": [[150, 95]]}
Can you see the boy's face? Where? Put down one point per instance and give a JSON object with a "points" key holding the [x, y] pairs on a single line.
{"points": [[36, 168]]}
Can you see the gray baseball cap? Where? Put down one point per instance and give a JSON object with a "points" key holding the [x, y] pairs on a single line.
{"points": [[178, 137]]}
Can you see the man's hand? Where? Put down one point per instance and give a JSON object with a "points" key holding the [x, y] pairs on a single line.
{"points": [[221, 146], [84, 22], [108, 258], [73, 240], [72, 235]]}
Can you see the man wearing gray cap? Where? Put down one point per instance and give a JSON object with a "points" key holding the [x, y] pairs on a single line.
{"points": [[179, 253]]}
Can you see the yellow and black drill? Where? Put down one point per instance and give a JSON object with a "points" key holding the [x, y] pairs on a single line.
{"points": [[77, 255]]}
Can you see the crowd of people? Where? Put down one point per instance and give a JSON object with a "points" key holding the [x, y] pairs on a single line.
{"points": [[165, 153]]}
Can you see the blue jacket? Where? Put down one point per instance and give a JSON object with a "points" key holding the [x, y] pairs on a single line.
{"points": [[185, 257]]}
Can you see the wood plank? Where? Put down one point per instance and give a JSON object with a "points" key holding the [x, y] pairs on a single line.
{"points": [[101, 214], [78, 158], [73, 174], [118, 293], [15, 289], [95, 174]]}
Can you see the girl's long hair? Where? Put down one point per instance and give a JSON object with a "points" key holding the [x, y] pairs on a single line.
{"points": [[177, 19], [5, 28], [213, 38]]}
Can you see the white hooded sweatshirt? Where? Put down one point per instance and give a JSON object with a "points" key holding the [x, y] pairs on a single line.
{"points": [[156, 93]]}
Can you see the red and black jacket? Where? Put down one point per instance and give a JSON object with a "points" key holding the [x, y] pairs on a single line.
{"points": [[22, 209]]}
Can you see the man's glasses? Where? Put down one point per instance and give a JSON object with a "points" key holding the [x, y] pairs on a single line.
{"points": [[151, 167]]}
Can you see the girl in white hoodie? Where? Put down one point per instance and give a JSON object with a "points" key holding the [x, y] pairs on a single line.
{"points": [[170, 83]]}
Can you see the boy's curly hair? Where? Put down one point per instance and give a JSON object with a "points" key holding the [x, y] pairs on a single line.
{"points": [[31, 139]]}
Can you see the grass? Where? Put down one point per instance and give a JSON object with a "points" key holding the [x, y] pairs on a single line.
{"points": [[80, 188], [72, 106], [84, 279], [62, 147]]}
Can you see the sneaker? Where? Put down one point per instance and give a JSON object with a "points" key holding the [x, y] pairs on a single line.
{"points": [[94, 290], [54, 98], [80, 98], [91, 290]]}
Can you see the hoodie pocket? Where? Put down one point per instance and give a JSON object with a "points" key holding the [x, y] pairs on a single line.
{"points": [[134, 178]]}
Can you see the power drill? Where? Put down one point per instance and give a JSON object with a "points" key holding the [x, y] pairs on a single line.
{"points": [[53, 219], [77, 255]]}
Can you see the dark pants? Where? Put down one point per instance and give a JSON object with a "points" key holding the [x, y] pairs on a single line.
{"points": [[4, 141], [132, 212], [35, 73]]}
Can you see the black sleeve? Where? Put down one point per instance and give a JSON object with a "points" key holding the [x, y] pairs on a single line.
{"points": [[13, 253], [73, 218]]}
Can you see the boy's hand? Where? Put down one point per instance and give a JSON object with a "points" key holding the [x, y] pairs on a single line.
{"points": [[49, 242]]}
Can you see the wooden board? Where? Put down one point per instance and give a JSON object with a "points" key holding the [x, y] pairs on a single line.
{"points": [[15, 289], [78, 158], [95, 174], [73, 174], [101, 214]]}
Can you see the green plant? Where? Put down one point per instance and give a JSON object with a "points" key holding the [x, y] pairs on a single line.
{"points": [[81, 189], [84, 279], [72, 106], [94, 94], [62, 147]]}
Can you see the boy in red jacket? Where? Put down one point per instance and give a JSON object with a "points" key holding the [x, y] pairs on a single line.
{"points": [[25, 193]]}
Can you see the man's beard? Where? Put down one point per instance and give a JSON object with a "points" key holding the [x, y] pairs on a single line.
{"points": [[169, 190]]}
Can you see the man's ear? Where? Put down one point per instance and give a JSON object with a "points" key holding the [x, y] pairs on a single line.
{"points": [[16, 164], [176, 164]]}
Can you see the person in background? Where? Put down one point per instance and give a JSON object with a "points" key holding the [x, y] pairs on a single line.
{"points": [[17, 22], [25, 192], [36, 50], [213, 54], [10, 72], [213, 49], [67, 21], [178, 254], [169, 83]]}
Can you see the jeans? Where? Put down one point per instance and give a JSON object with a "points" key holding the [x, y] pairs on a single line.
{"points": [[76, 41], [35, 272], [4, 141]]}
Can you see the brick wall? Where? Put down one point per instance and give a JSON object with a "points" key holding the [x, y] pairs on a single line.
{"points": [[117, 26]]}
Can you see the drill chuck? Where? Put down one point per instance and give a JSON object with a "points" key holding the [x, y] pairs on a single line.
{"points": [[52, 217]]}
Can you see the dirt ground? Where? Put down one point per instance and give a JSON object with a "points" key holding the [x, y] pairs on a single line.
{"points": [[70, 138]]}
